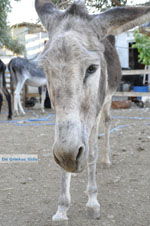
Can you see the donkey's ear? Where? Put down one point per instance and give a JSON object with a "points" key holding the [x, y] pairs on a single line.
{"points": [[47, 12], [120, 19]]}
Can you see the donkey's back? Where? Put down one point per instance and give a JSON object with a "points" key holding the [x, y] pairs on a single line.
{"points": [[21, 66]]}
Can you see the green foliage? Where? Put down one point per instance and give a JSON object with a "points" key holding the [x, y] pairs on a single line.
{"points": [[5, 35], [143, 46], [95, 4], [104, 4]]}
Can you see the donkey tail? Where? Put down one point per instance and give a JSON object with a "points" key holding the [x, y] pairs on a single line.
{"points": [[13, 77]]}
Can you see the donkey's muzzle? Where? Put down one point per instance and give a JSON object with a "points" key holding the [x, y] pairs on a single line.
{"points": [[71, 161]]}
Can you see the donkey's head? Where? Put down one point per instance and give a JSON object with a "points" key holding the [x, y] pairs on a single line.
{"points": [[76, 69]]}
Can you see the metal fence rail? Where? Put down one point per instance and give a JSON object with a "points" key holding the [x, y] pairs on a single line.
{"points": [[135, 72], [131, 93]]}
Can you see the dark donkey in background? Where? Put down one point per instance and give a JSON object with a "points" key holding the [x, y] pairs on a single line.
{"points": [[83, 72], [3, 89]]}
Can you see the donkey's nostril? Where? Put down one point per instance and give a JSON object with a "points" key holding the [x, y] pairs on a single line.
{"points": [[81, 149], [56, 159]]}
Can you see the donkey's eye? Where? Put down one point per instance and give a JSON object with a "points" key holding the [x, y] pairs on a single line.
{"points": [[91, 69]]}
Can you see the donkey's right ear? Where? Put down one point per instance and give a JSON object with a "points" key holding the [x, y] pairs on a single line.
{"points": [[120, 19], [47, 12]]}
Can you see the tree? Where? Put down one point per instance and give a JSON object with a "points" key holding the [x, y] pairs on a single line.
{"points": [[104, 4], [5, 35], [95, 4], [5, 7], [142, 43]]}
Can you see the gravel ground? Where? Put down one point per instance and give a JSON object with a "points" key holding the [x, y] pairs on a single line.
{"points": [[29, 191]]}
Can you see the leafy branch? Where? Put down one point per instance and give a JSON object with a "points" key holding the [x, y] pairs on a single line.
{"points": [[6, 39], [143, 46]]}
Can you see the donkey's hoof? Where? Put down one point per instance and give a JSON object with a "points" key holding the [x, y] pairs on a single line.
{"points": [[93, 210], [16, 114], [105, 163], [42, 111], [22, 113], [93, 213], [59, 217]]}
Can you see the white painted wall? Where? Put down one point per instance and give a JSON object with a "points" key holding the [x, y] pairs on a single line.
{"points": [[122, 46], [35, 44]]}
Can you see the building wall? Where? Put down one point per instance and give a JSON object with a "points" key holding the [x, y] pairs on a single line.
{"points": [[19, 33], [34, 44], [122, 46]]}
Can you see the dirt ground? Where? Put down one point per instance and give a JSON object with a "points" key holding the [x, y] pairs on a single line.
{"points": [[29, 191]]}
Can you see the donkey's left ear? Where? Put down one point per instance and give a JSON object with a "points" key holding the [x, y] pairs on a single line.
{"points": [[120, 19], [48, 13]]}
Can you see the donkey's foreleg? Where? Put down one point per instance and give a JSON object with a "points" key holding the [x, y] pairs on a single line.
{"points": [[105, 153], [16, 110], [20, 106], [17, 99], [64, 198], [17, 105], [43, 95], [93, 206]]}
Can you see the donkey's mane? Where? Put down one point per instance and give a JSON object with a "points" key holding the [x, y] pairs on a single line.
{"points": [[78, 10]]}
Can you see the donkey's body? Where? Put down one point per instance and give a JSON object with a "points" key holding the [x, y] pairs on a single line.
{"points": [[4, 90], [24, 72], [83, 72]]}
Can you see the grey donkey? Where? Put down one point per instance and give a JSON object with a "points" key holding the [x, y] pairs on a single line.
{"points": [[24, 71], [83, 72]]}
